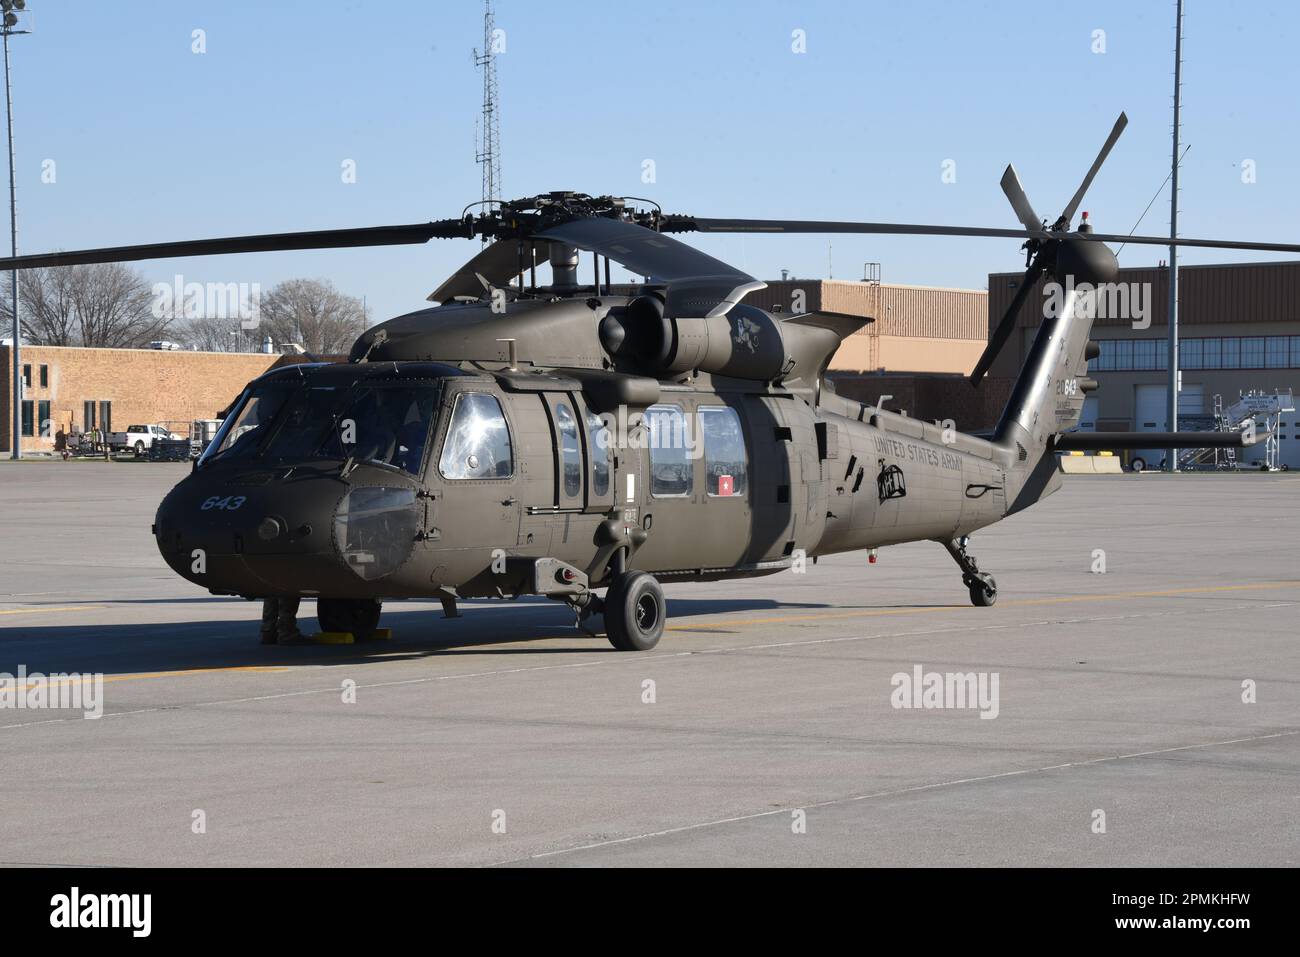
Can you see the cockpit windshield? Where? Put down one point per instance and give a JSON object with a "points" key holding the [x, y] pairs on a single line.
{"points": [[382, 423], [246, 427]]}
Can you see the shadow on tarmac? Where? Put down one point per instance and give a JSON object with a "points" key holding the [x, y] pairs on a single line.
{"points": [[419, 631]]}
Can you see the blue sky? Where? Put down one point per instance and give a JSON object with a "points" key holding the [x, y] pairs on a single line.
{"points": [[153, 142]]}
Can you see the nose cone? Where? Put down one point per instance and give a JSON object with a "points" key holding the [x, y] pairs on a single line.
{"points": [[228, 534], [307, 532]]}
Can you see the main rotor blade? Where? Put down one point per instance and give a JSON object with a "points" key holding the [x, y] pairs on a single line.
{"points": [[1195, 243], [673, 224], [271, 242], [689, 223], [1007, 324], [1019, 201], [1068, 216]]}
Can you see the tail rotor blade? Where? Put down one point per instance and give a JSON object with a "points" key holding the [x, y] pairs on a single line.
{"points": [[1008, 323], [1019, 201], [1073, 207]]}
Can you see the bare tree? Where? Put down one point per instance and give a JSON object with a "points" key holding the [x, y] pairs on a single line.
{"points": [[314, 313], [115, 307], [104, 304], [45, 306], [213, 334]]}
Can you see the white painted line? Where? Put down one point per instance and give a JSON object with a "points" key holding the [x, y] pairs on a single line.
{"points": [[915, 789]]}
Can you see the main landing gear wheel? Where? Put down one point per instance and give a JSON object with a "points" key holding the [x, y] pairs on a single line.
{"points": [[983, 591], [1138, 464], [359, 616], [635, 612]]}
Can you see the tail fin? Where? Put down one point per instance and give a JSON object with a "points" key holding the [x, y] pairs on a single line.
{"points": [[1048, 395], [1049, 392]]}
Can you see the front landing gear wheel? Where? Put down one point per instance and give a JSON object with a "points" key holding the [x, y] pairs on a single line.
{"points": [[360, 616], [635, 612], [983, 591]]}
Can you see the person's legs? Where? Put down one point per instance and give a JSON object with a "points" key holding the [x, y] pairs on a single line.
{"points": [[270, 608], [286, 622]]}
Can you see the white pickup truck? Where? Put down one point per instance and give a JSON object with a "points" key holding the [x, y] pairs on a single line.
{"points": [[138, 438]]}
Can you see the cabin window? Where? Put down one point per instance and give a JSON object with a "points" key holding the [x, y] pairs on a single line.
{"points": [[725, 465], [570, 450], [671, 467], [478, 440], [601, 453]]}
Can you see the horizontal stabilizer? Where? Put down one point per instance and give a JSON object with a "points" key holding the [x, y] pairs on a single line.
{"points": [[1115, 441], [843, 324]]}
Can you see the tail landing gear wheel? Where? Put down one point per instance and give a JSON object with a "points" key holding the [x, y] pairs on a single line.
{"points": [[635, 612], [1138, 464], [983, 591], [360, 616]]}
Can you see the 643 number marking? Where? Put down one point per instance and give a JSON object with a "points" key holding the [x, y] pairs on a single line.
{"points": [[229, 502]]}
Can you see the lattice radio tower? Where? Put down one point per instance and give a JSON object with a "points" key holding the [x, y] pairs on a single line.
{"points": [[489, 140]]}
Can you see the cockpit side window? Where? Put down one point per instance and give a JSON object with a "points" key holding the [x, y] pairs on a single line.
{"points": [[477, 445], [383, 425]]}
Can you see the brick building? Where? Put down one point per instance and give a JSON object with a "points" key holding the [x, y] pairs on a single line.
{"points": [[919, 350], [113, 388]]}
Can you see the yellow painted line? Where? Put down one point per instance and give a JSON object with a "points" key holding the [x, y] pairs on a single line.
{"points": [[195, 671], [163, 674], [42, 611], [1024, 602]]}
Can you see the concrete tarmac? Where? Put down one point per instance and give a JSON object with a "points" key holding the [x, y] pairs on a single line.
{"points": [[1147, 715]]}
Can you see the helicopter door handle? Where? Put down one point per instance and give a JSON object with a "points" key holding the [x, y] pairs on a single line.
{"points": [[510, 501]]}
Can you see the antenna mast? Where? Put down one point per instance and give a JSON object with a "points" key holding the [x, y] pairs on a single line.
{"points": [[489, 145]]}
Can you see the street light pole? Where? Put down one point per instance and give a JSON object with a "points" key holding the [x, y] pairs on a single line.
{"points": [[1172, 406], [9, 22]]}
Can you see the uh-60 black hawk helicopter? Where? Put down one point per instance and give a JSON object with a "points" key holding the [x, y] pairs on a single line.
{"points": [[525, 439]]}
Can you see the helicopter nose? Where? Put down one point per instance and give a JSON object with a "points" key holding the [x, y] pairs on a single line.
{"points": [[241, 540]]}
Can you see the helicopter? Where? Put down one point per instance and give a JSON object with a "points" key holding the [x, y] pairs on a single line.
{"points": [[564, 439]]}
